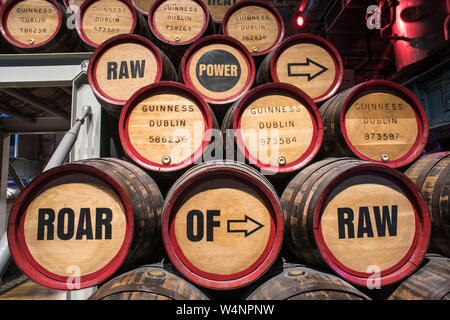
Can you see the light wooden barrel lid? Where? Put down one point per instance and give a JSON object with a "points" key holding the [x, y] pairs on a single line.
{"points": [[222, 225], [72, 226], [277, 127], [395, 133], [143, 6], [30, 23], [219, 68], [100, 20], [178, 22], [256, 24], [218, 8], [122, 65], [310, 63], [165, 126], [370, 224]]}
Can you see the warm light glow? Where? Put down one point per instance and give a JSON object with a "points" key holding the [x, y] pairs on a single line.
{"points": [[300, 21]]}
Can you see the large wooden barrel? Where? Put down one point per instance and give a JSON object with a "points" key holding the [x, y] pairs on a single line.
{"points": [[218, 8], [299, 282], [176, 24], [430, 282], [255, 23], [76, 225], [364, 221], [36, 26], [149, 282], [378, 121], [122, 65], [276, 127], [220, 69], [100, 20], [166, 127], [222, 225], [306, 61], [431, 174]]}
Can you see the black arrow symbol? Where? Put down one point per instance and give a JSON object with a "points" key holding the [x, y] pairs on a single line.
{"points": [[306, 64], [246, 220]]}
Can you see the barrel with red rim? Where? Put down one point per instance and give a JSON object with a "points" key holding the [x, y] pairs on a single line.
{"points": [[378, 121], [122, 65], [365, 221], [36, 26], [276, 126], [176, 24], [219, 68], [76, 225], [166, 127], [306, 61], [143, 6], [100, 20], [218, 8], [255, 23], [222, 225]]}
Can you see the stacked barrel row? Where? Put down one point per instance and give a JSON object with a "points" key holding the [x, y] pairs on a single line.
{"points": [[333, 197]]}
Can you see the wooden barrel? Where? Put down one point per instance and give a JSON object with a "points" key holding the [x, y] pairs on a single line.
{"points": [[166, 127], [220, 69], [306, 61], [255, 23], [143, 6], [176, 24], [218, 8], [298, 282], [378, 121], [222, 225], [365, 221], [276, 127], [149, 282], [431, 174], [100, 20], [430, 282], [76, 225], [36, 26], [122, 65]]}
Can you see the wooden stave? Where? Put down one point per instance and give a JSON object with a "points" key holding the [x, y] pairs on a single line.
{"points": [[173, 50], [218, 105], [267, 73], [140, 26], [431, 281], [229, 122], [167, 71], [430, 173], [172, 197], [57, 43], [115, 264], [159, 170], [304, 246], [156, 281], [293, 281], [332, 111], [265, 4]]}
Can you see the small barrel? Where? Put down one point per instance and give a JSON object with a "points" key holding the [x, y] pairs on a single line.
{"points": [[365, 221], [166, 127], [431, 174], [222, 225], [149, 282], [220, 69], [218, 8], [276, 127], [76, 225], [122, 65], [255, 23], [298, 282], [377, 121], [36, 26], [176, 24], [306, 61], [430, 282], [143, 6], [100, 20]]}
